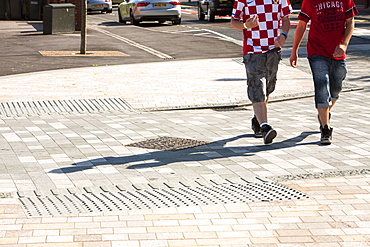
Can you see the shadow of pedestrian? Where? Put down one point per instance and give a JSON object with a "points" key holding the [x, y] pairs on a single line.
{"points": [[213, 150]]}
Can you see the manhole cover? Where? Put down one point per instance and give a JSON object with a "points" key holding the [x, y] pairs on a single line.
{"points": [[168, 143], [225, 109], [131, 197]]}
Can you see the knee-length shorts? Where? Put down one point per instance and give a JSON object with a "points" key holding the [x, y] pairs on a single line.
{"points": [[261, 71], [328, 75]]}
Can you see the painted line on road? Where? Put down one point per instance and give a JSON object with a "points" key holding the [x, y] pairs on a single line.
{"points": [[133, 43], [361, 33], [225, 37]]}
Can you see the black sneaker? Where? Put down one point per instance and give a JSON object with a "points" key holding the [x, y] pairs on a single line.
{"points": [[318, 118], [326, 135], [268, 133], [256, 127]]}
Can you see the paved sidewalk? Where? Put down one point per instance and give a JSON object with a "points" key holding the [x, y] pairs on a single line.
{"points": [[337, 214], [50, 155], [38, 152], [179, 84]]}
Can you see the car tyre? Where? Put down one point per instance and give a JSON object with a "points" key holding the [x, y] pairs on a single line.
{"points": [[133, 21], [109, 11], [177, 21], [211, 15], [120, 19], [201, 15]]}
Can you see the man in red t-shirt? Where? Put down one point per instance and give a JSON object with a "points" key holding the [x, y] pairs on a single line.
{"points": [[331, 29]]}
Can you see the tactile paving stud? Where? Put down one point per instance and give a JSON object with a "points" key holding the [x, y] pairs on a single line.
{"points": [[145, 196]]}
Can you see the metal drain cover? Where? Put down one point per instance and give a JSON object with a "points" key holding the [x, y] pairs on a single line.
{"points": [[131, 197], [168, 143], [62, 106]]}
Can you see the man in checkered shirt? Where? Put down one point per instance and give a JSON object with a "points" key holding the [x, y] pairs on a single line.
{"points": [[260, 21]]}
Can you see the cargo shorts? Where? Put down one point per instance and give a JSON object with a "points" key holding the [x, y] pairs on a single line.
{"points": [[261, 71]]}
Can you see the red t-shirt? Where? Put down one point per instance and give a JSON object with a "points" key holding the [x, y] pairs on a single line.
{"points": [[328, 20]]}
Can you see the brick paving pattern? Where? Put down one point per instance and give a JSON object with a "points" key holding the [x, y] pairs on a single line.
{"points": [[75, 150]]}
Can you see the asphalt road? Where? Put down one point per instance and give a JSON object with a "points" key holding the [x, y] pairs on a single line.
{"points": [[21, 46], [193, 39]]}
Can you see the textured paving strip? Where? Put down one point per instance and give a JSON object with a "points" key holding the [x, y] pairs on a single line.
{"points": [[75, 201], [336, 214], [62, 106]]}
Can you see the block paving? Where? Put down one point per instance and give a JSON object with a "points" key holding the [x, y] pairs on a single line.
{"points": [[75, 150]]}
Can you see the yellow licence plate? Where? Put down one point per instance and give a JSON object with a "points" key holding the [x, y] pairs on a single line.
{"points": [[97, 6], [160, 4]]}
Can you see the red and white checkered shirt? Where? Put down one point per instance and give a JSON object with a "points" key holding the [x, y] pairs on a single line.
{"points": [[261, 39]]}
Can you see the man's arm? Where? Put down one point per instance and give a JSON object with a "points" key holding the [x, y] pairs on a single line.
{"points": [[285, 27], [236, 24], [299, 33], [250, 23], [341, 49]]}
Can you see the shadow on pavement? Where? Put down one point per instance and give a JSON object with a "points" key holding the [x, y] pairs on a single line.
{"points": [[215, 150]]}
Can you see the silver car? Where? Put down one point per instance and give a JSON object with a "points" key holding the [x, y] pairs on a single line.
{"points": [[137, 11], [99, 5]]}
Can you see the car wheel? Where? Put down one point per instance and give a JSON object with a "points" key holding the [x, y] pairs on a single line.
{"points": [[120, 19], [211, 15], [109, 10], [133, 21], [177, 21], [201, 15]]}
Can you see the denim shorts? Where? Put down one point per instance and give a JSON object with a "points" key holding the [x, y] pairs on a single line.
{"points": [[328, 75], [261, 71]]}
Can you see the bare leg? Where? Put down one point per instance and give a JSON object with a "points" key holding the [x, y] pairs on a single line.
{"points": [[332, 104], [324, 114], [260, 110]]}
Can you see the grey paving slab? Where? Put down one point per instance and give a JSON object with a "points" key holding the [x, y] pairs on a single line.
{"points": [[296, 150]]}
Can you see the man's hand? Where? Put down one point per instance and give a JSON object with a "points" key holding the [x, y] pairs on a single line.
{"points": [[293, 60], [279, 42], [340, 50], [252, 22]]}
